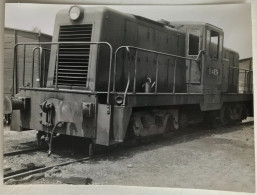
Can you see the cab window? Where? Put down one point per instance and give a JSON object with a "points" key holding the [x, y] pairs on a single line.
{"points": [[214, 46], [193, 42]]}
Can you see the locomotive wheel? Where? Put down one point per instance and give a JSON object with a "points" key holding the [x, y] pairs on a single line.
{"points": [[171, 124], [130, 131], [39, 136], [210, 119], [91, 149], [238, 112], [230, 114], [235, 112], [241, 112], [214, 122], [182, 121], [224, 115], [244, 112], [94, 148], [7, 119]]}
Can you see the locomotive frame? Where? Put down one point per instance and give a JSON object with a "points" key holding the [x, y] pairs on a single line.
{"points": [[116, 97]]}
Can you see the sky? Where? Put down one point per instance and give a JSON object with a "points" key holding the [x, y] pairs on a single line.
{"points": [[234, 19]]}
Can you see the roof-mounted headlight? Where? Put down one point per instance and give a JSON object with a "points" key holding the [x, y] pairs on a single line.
{"points": [[75, 12]]}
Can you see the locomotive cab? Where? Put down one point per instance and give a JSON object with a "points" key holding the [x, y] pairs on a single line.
{"points": [[217, 70]]}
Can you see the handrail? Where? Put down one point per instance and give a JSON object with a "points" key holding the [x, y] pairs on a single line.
{"points": [[57, 66], [157, 52], [33, 62], [128, 82], [199, 54], [157, 63], [15, 65], [24, 60]]}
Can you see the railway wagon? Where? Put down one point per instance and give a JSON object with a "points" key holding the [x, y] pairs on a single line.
{"points": [[115, 76], [11, 38]]}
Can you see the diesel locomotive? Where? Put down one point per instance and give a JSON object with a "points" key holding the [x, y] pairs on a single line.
{"points": [[114, 76]]}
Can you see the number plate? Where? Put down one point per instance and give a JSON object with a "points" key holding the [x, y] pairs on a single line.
{"points": [[214, 71]]}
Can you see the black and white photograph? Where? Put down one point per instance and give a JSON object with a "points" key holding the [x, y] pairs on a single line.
{"points": [[129, 95]]}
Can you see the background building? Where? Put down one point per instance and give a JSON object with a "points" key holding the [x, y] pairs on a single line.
{"points": [[11, 38], [245, 78]]}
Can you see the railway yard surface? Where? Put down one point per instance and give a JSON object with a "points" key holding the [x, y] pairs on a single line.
{"points": [[216, 159]]}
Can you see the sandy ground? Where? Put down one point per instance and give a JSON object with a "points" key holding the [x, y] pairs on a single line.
{"points": [[220, 159]]}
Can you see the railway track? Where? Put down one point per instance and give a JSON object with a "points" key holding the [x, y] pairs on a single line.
{"points": [[189, 132], [24, 151], [43, 169]]}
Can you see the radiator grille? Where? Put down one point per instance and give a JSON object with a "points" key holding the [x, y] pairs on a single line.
{"points": [[74, 59]]}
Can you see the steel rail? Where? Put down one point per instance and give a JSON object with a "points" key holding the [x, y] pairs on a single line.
{"points": [[24, 151], [45, 168]]}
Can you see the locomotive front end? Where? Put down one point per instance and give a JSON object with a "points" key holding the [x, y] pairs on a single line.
{"points": [[61, 97]]}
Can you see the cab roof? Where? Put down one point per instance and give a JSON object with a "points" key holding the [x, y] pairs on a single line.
{"points": [[179, 24]]}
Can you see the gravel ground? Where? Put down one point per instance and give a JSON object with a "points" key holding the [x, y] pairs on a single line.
{"points": [[221, 159]]}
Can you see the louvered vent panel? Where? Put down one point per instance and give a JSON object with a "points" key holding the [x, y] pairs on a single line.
{"points": [[74, 58]]}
